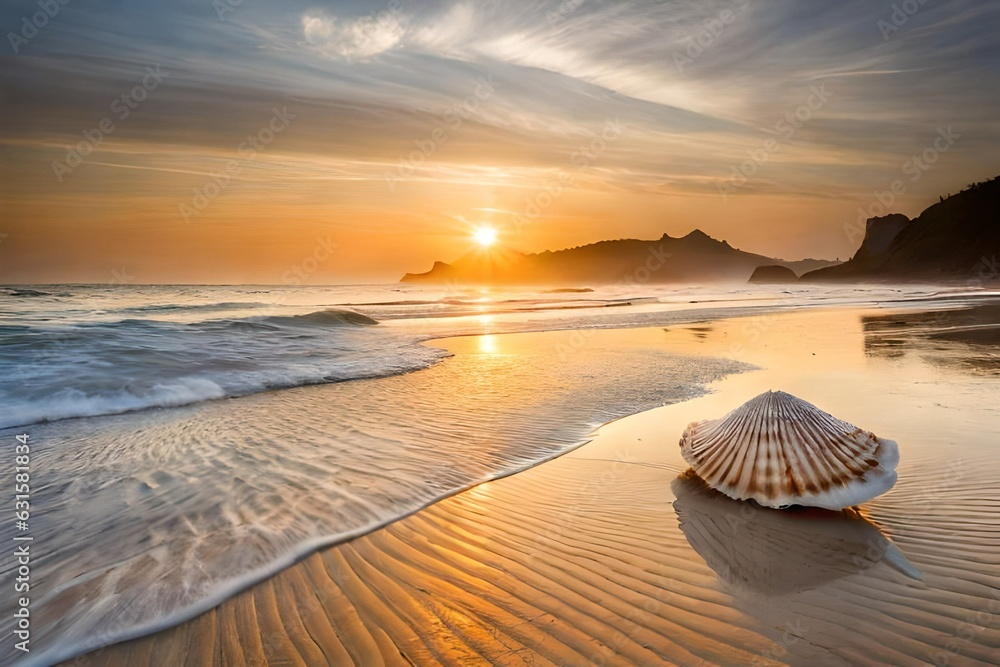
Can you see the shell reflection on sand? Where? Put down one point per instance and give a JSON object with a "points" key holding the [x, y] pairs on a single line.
{"points": [[771, 552]]}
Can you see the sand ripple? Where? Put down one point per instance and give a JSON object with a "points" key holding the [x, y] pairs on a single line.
{"points": [[557, 567], [613, 555]]}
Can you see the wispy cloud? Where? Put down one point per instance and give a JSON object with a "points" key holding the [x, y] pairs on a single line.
{"points": [[369, 80], [353, 38]]}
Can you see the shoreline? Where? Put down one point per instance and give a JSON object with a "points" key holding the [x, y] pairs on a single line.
{"points": [[575, 453], [735, 308], [309, 548]]}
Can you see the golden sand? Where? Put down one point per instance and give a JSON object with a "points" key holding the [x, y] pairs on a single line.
{"points": [[612, 555]]}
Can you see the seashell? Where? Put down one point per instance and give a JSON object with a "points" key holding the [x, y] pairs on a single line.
{"points": [[779, 450]]}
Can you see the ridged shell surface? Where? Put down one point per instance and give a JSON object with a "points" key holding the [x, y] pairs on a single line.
{"points": [[779, 450]]}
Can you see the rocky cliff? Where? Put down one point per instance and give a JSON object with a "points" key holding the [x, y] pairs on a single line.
{"points": [[957, 239]]}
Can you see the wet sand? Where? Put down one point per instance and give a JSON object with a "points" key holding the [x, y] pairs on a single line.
{"points": [[612, 554]]}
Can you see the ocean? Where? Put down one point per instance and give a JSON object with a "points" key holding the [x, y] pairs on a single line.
{"points": [[187, 441]]}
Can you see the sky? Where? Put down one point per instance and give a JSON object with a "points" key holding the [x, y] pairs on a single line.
{"points": [[243, 141]]}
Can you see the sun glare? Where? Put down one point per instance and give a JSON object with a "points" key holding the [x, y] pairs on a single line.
{"points": [[485, 236]]}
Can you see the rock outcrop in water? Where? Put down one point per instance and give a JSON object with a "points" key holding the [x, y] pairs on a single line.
{"points": [[957, 239], [696, 257], [765, 275]]}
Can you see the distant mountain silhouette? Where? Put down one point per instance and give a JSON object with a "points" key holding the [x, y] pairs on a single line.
{"points": [[696, 257], [955, 239]]}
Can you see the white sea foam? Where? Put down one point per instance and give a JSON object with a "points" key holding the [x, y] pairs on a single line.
{"points": [[109, 367]]}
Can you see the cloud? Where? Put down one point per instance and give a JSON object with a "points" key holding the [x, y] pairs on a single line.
{"points": [[353, 39], [452, 31], [371, 81]]}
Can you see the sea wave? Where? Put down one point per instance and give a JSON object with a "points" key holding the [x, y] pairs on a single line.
{"points": [[102, 368], [330, 317], [22, 292], [167, 307]]}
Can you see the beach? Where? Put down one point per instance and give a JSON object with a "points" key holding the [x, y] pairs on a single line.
{"points": [[549, 332], [613, 554]]}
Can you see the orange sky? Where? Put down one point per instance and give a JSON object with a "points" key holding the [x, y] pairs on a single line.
{"points": [[385, 135]]}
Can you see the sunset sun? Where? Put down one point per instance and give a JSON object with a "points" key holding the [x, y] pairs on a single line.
{"points": [[485, 236]]}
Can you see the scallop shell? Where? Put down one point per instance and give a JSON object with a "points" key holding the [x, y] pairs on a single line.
{"points": [[779, 450]]}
